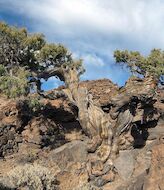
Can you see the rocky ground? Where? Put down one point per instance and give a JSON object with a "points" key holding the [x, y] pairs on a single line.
{"points": [[53, 142]]}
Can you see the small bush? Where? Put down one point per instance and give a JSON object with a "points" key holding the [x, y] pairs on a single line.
{"points": [[33, 177], [34, 104], [31, 104], [16, 85], [2, 70]]}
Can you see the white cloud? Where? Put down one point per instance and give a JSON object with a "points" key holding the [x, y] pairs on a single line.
{"points": [[104, 16], [95, 28]]}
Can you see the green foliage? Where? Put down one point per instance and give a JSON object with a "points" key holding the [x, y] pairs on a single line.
{"points": [[2, 70], [14, 34], [30, 50], [11, 39], [22, 50], [15, 86], [53, 52], [34, 42], [34, 104], [153, 64], [31, 104]]}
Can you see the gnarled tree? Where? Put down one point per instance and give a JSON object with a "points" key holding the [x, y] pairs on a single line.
{"points": [[153, 64], [30, 53]]}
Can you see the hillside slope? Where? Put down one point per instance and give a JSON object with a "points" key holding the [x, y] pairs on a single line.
{"points": [[53, 139]]}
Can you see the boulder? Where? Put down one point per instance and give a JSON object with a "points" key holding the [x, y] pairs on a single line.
{"points": [[75, 151], [124, 164], [156, 132]]}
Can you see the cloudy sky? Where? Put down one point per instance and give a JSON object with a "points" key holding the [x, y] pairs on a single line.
{"points": [[92, 29]]}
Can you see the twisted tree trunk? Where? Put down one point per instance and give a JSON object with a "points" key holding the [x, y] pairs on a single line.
{"points": [[105, 130]]}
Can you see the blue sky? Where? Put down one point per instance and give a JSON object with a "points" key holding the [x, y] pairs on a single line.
{"points": [[92, 29]]}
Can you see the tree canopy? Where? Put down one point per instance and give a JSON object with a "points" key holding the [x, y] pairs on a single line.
{"points": [[27, 58], [153, 64]]}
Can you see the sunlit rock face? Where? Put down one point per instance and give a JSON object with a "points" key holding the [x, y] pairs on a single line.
{"points": [[98, 137]]}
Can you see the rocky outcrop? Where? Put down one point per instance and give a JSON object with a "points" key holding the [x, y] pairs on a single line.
{"points": [[97, 137], [154, 179], [101, 91]]}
